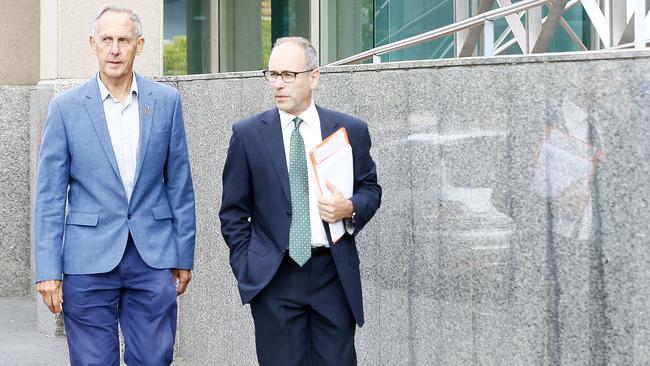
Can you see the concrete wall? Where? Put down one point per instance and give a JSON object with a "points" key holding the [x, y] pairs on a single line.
{"points": [[15, 270], [19, 42], [67, 24], [514, 224]]}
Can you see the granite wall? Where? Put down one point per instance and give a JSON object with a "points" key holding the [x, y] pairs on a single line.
{"points": [[514, 223], [15, 270]]}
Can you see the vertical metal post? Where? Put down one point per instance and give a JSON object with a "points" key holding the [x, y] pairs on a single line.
{"points": [[639, 24], [533, 27], [606, 6], [488, 38], [376, 59], [315, 26], [618, 21], [214, 36], [461, 12]]}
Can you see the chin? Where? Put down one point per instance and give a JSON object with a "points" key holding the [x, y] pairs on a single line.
{"points": [[115, 73]]}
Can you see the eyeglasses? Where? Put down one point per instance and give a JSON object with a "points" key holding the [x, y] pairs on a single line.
{"points": [[287, 76]]}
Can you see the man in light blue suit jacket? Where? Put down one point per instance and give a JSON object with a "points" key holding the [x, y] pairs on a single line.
{"points": [[114, 214]]}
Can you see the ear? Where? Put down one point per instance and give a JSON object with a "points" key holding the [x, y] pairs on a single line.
{"points": [[139, 45], [315, 78], [93, 43]]}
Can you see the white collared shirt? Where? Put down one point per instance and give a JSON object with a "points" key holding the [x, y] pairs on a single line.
{"points": [[311, 135], [123, 122]]}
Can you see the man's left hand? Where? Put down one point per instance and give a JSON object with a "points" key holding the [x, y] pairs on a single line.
{"points": [[182, 277], [335, 207]]}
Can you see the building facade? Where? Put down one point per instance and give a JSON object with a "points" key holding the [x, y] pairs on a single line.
{"points": [[206, 36]]}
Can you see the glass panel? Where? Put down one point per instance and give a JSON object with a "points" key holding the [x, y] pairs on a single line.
{"points": [[175, 38], [346, 28], [579, 22], [244, 23], [198, 37], [290, 18], [399, 19], [240, 29], [561, 42]]}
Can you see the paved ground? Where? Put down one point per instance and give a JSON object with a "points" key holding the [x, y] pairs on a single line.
{"points": [[22, 345]]}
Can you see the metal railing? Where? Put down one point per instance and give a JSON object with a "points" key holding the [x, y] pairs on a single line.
{"points": [[530, 41]]}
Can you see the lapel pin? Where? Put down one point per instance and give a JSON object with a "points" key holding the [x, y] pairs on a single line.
{"points": [[147, 110]]}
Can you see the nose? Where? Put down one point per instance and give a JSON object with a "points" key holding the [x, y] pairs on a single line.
{"points": [[115, 48], [279, 82]]}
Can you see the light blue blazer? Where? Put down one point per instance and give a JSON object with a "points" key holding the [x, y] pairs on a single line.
{"points": [[77, 164]]}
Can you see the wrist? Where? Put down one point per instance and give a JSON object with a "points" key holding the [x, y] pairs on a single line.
{"points": [[350, 210]]}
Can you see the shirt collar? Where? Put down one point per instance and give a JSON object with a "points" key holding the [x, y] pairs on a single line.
{"points": [[309, 117], [104, 92]]}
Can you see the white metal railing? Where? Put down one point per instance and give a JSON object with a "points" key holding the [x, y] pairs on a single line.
{"points": [[531, 39]]}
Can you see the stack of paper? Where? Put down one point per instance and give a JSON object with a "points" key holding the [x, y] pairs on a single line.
{"points": [[332, 161]]}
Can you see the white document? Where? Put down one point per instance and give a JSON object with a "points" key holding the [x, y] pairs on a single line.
{"points": [[332, 161]]}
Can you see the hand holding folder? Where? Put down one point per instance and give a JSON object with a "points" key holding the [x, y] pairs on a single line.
{"points": [[332, 161]]}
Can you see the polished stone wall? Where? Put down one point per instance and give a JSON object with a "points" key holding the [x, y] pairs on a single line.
{"points": [[15, 276], [514, 222]]}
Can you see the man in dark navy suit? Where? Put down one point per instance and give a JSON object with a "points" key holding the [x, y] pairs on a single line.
{"points": [[304, 291]]}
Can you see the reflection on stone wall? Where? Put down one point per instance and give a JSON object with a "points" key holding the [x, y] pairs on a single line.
{"points": [[565, 167]]}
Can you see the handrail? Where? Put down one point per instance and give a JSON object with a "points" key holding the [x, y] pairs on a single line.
{"points": [[443, 31]]}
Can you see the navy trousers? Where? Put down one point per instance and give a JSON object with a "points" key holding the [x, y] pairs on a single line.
{"points": [[302, 317], [141, 298]]}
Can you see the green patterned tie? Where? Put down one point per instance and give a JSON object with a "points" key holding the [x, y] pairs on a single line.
{"points": [[300, 230]]}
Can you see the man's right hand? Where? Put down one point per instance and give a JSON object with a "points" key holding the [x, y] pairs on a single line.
{"points": [[52, 293]]}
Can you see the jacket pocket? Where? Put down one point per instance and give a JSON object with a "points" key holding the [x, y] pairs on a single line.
{"points": [[258, 248], [82, 219], [162, 212]]}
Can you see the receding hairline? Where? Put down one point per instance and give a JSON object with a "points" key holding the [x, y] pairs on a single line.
{"points": [[311, 56], [133, 17]]}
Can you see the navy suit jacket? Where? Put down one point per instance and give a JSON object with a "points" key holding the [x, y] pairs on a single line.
{"points": [[256, 204], [82, 217]]}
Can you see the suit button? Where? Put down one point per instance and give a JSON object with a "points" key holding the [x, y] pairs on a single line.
{"points": [[128, 216]]}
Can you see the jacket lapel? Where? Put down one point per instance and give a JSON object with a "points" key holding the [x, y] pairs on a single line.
{"points": [[271, 133], [95, 109], [146, 103], [327, 125]]}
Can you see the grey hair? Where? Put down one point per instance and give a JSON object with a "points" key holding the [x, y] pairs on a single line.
{"points": [[135, 18], [311, 58]]}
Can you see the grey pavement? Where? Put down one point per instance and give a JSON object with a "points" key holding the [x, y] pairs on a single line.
{"points": [[20, 342], [22, 345]]}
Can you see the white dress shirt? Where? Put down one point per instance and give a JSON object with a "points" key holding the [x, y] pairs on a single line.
{"points": [[123, 121], [311, 135]]}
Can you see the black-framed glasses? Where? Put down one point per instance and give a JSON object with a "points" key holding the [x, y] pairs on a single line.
{"points": [[287, 76]]}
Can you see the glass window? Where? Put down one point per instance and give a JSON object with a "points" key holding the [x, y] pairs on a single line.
{"points": [[399, 19], [199, 40], [187, 37], [175, 37], [346, 28], [248, 28], [561, 41], [581, 26], [203, 36]]}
